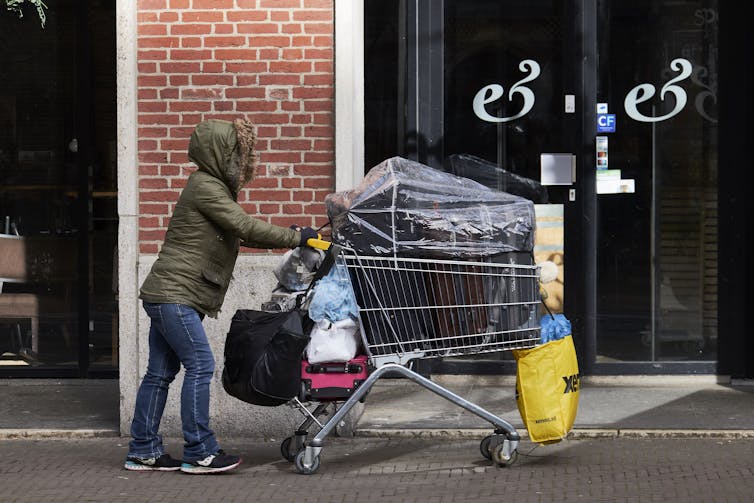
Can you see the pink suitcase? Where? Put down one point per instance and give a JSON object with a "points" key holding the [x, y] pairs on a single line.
{"points": [[332, 381]]}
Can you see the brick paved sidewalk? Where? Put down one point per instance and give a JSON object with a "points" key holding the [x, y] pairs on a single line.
{"points": [[398, 469]]}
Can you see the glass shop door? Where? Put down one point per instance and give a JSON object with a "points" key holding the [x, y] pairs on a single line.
{"points": [[657, 191], [58, 193]]}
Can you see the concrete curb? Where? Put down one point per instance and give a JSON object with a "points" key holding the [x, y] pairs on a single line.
{"points": [[577, 434], [57, 434]]}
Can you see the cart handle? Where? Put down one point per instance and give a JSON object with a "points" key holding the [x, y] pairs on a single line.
{"points": [[319, 244]]}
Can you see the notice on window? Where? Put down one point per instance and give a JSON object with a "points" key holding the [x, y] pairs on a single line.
{"points": [[609, 181], [601, 153]]}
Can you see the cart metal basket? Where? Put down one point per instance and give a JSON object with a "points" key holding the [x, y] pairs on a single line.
{"points": [[412, 308]]}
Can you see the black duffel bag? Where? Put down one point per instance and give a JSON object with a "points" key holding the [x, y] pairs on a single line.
{"points": [[263, 354]]}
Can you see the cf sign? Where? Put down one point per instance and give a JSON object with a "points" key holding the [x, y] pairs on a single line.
{"points": [[605, 123]]}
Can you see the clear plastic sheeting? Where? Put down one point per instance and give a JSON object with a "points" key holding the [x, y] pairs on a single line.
{"points": [[404, 207], [492, 176]]}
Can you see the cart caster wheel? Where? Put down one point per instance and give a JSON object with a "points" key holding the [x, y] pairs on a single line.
{"points": [[299, 463], [285, 449], [502, 455], [484, 447]]}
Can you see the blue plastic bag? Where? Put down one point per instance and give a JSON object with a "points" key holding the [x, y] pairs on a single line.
{"points": [[554, 327], [333, 298]]}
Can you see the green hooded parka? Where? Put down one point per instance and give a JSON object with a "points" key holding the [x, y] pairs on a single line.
{"points": [[196, 261]]}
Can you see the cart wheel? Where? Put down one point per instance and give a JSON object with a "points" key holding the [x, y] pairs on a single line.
{"points": [[299, 463], [484, 447], [502, 457], [285, 449]]}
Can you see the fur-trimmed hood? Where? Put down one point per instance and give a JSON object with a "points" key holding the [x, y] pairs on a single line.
{"points": [[226, 150]]}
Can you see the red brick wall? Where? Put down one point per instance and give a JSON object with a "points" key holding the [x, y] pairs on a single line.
{"points": [[271, 61]]}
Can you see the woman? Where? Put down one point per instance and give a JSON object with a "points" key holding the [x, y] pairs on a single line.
{"points": [[187, 282]]}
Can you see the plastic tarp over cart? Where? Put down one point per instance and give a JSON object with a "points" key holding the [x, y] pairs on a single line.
{"points": [[405, 208], [493, 176]]}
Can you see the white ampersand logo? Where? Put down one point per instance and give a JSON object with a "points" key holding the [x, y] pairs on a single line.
{"points": [[644, 92], [494, 92]]}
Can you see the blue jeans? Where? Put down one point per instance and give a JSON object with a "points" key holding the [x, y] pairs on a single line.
{"points": [[176, 337]]}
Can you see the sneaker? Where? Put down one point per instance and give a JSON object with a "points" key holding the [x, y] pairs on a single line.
{"points": [[215, 463], [162, 464]]}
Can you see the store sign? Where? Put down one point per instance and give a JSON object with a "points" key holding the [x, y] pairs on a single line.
{"points": [[645, 92], [640, 94], [493, 92]]}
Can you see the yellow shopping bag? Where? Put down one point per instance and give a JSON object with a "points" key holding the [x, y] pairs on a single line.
{"points": [[547, 389]]}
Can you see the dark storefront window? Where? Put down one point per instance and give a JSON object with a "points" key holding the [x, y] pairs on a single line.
{"points": [[513, 83], [58, 212], [657, 246]]}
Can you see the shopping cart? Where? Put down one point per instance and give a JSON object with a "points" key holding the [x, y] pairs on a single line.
{"points": [[412, 308]]}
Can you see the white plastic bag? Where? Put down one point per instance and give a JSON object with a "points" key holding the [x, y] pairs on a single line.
{"points": [[333, 342]]}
